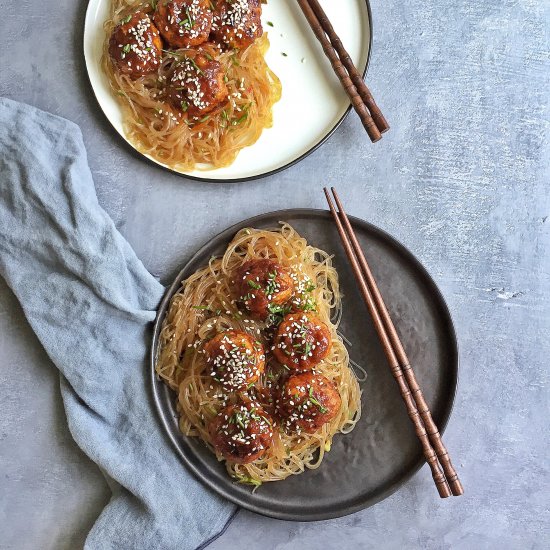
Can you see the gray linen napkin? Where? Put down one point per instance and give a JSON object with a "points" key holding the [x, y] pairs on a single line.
{"points": [[91, 302]]}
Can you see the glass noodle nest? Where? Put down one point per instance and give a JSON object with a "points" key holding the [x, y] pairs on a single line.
{"points": [[155, 128], [205, 306]]}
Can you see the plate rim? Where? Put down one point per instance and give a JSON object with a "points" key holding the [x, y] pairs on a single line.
{"points": [[156, 383], [153, 162]]}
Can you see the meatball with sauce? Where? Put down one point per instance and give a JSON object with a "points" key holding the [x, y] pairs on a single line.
{"points": [[237, 23], [135, 46], [263, 286], [184, 23], [308, 401], [197, 86], [242, 433], [302, 341], [235, 359]]}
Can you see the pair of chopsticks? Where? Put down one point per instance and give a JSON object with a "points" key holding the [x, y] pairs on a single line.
{"points": [[360, 96], [437, 457]]}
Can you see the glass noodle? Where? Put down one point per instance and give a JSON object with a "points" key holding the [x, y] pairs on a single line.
{"points": [[155, 128], [205, 306]]}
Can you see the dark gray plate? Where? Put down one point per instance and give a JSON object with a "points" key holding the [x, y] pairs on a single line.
{"points": [[383, 451]]}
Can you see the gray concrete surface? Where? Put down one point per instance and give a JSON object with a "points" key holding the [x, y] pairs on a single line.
{"points": [[462, 179]]}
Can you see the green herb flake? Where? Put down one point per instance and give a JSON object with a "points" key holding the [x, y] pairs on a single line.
{"points": [[275, 308], [241, 119], [271, 286], [309, 305], [249, 481], [322, 409], [190, 18], [197, 68]]}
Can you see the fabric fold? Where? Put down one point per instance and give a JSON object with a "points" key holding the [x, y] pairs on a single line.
{"points": [[91, 303]]}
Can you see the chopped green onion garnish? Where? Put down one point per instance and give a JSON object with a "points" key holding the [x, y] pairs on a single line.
{"points": [[197, 68], [241, 119], [253, 284]]}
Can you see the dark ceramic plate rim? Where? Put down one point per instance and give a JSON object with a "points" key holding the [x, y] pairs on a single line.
{"points": [[256, 176], [156, 384]]}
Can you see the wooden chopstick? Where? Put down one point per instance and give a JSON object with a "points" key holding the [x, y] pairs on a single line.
{"points": [[357, 79], [408, 372], [412, 410], [340, 70]]}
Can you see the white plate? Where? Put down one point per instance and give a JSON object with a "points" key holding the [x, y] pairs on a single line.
{"points": [[313, 103]]}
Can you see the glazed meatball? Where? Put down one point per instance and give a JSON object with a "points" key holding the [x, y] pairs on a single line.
{"points": [[135, 46], [302, 341], [308, 401], [235, 359], [197, 86], [262, 287], [242, 433], [184, 23], [237, 23]]}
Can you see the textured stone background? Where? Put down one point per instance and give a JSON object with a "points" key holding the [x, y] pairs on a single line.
{"points": [[462, 180]]}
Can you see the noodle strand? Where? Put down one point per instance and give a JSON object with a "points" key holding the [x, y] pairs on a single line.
{"points": [[156, 129], [204, 306]]}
